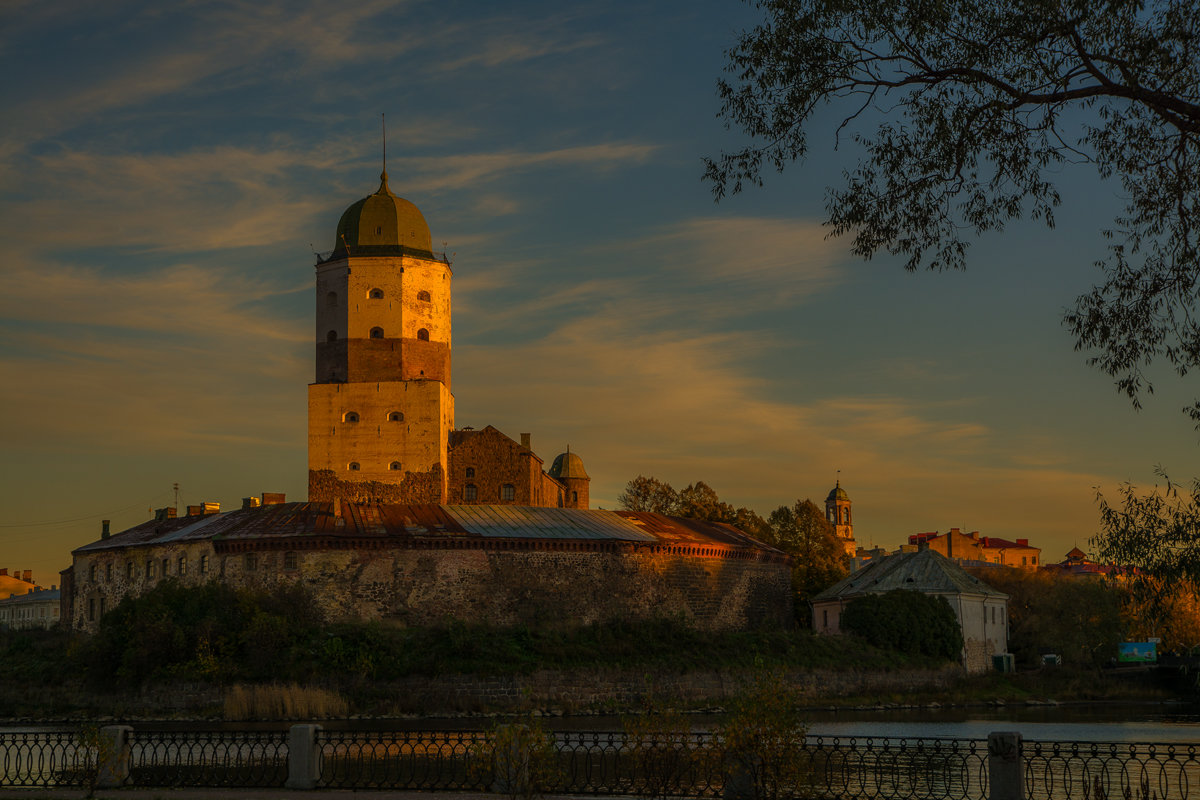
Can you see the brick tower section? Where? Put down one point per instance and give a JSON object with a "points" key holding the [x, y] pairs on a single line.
{"points": [[380, 409]]}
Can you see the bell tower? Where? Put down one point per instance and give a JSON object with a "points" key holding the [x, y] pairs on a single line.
{"points": [[837, 513], [380, 408]]}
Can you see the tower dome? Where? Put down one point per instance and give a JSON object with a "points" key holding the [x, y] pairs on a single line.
{"points": [[568, 465], [382, 224], [837, 493]]}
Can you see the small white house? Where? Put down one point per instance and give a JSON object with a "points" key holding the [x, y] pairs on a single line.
{"points": [[982, 611]]}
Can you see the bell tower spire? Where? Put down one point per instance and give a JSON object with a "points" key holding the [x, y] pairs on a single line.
{"points": [[837, 513]]}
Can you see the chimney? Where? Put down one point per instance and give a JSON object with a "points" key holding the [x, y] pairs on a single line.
{"points": [[249, 502], [525, 437], [207, 508], [104, 532], [273, 498], [3, 573], [27, 576], [195, 511], [1023, 542]]}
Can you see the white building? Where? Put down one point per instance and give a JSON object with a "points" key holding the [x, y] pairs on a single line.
{"points": [[37, 608], [982, 611]]}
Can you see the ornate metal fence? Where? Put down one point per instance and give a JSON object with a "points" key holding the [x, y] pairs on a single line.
{"points": [[1110, 770], [596, 763], [42, 759], [399, 759], [208, 758]]}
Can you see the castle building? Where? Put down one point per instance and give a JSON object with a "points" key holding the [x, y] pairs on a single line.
{"points": [[411, 520], [380, 409], [837, 513]]}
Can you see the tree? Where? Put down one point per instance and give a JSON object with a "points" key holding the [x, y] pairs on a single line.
{"points": [[977, 105], [696, 501], [908, 621], [1159, 532], [649, 494], [818, 559]]}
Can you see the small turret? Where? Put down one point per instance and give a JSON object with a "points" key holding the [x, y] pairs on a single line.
{"points": [[568, 470]]}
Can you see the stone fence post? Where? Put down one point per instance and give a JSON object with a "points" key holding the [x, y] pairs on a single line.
{"points": [[112, 756], [1006, 770], [304, 757]]}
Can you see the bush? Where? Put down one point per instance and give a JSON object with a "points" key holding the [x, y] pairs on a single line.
{"points": [[910, 622], [762, 740]]}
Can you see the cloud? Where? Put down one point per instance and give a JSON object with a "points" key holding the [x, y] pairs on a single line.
{"points": [[473, 170]]}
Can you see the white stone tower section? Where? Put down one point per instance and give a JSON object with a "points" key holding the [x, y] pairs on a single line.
{"points": [[380, 409]]}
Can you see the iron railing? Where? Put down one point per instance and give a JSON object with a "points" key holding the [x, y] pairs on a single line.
{"points": [[1109, 770], [208, 758], [42, 759], [602, 763]]}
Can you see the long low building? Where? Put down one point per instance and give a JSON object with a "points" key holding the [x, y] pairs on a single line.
{"points": [[426, 564]]}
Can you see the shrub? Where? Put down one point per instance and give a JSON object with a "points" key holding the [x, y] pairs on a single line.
{"points": [[518, 760], [762, 740], [910, 622]]}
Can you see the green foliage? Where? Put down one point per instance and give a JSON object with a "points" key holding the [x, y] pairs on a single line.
{"points": [[976, 106], [1158, 532], [910, 622], [696, 501], [1080, 619], [762, 738], [518, 760], [818, 558], [662, 750], [211, 632]]}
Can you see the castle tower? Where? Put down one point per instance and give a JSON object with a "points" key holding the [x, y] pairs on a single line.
{"points": [[568, 470], [380, 409], [837, 512]]}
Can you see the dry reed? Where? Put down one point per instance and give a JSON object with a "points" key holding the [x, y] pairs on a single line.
{"points": [[246, 702]]}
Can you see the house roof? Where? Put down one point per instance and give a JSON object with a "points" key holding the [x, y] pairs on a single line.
{"points": [[402, 522], [923, 571]]}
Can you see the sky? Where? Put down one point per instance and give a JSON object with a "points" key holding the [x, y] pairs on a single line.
{"points": [[167, 171]]}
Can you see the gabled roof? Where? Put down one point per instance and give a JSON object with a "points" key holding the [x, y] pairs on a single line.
{"points": [[403, 522], [923, 571]]}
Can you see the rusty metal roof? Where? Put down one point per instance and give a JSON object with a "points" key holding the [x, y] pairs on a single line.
{"points": [[290, 520], [923, 571]]}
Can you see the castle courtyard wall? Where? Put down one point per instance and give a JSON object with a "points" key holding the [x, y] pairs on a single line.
{"points": [[509, 582]]}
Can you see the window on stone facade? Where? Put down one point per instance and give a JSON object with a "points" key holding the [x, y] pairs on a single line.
{"points": [[470, 492], [470, 472], [203, 565], [108, 571], [353, 466], [1034, 560], [376, 294], [376, 333], [825, 618], [508, 492], [395, 416], [149, 569], [395, 465], [91, 608], [574, 497], [128, 570], [251, 562], [423, 335], [331, 336], [290, 561], [182, 566], [423, 296], [102, 606], [350, 416], [166, 567], [92, 573]]}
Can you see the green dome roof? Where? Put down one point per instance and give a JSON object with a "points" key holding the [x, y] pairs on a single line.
{"points": [[382, 224], [568, 465], [837, 493]]}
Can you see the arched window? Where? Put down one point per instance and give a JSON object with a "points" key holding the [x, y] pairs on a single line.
{"points": [[376, 333], [331, 300], [508, 492], [423, 335], [350, 416], [470, 472], [395, 416], [395, 465], [469, 492], [375, 294], [331, 336], [423, 296], [354, 466]]}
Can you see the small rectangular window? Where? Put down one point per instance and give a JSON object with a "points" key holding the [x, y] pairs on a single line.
{"points": [[108, 571], [166, 567], [251, 562], [182, 566], [102, 606], [149, 569], [128, 570], [92, 573], [204, 565], [91, 608], [289, 561]]}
